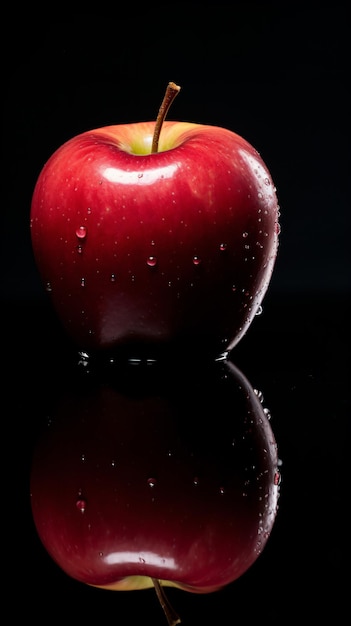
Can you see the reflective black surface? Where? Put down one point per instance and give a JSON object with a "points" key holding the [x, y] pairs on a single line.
{"points": [[296, 354]]}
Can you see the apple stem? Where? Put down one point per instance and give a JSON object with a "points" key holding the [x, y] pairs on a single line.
{"points": [[169, 612], [171, 92]]}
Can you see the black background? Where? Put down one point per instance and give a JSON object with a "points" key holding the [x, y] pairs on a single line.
{"points": [[278, 75]]}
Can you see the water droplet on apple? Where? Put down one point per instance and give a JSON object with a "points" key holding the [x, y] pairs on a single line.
{"points": [[267, 413], [81, 505], [245, 234], [81, 232], [140, 175], [151, 482], [196, 260], [278, 228], [151, 261], [195, 481], [79, 249], [141, 560], [113, 278], [259, 394], [82, 282], [222, 247], [267, 182], [233, 288], [83, 357], [277, 478], [259, 310], [222, 491], [48, 287]]}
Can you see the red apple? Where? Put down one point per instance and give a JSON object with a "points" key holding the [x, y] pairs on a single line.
{"points": [[168, 477], [155, 239]]}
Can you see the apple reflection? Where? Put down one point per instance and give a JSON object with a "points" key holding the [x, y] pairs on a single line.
{"points": [[149, 472]]}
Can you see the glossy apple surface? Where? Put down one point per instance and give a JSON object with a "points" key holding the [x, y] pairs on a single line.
{"points": [[169, 475], [174, 248]]}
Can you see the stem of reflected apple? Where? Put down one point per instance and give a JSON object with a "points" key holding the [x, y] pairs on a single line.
{"points": [[168, 610], [171, 92]]}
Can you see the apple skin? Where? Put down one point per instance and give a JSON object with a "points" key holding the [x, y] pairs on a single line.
{"points": [[168, 474], [173, 249]]}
